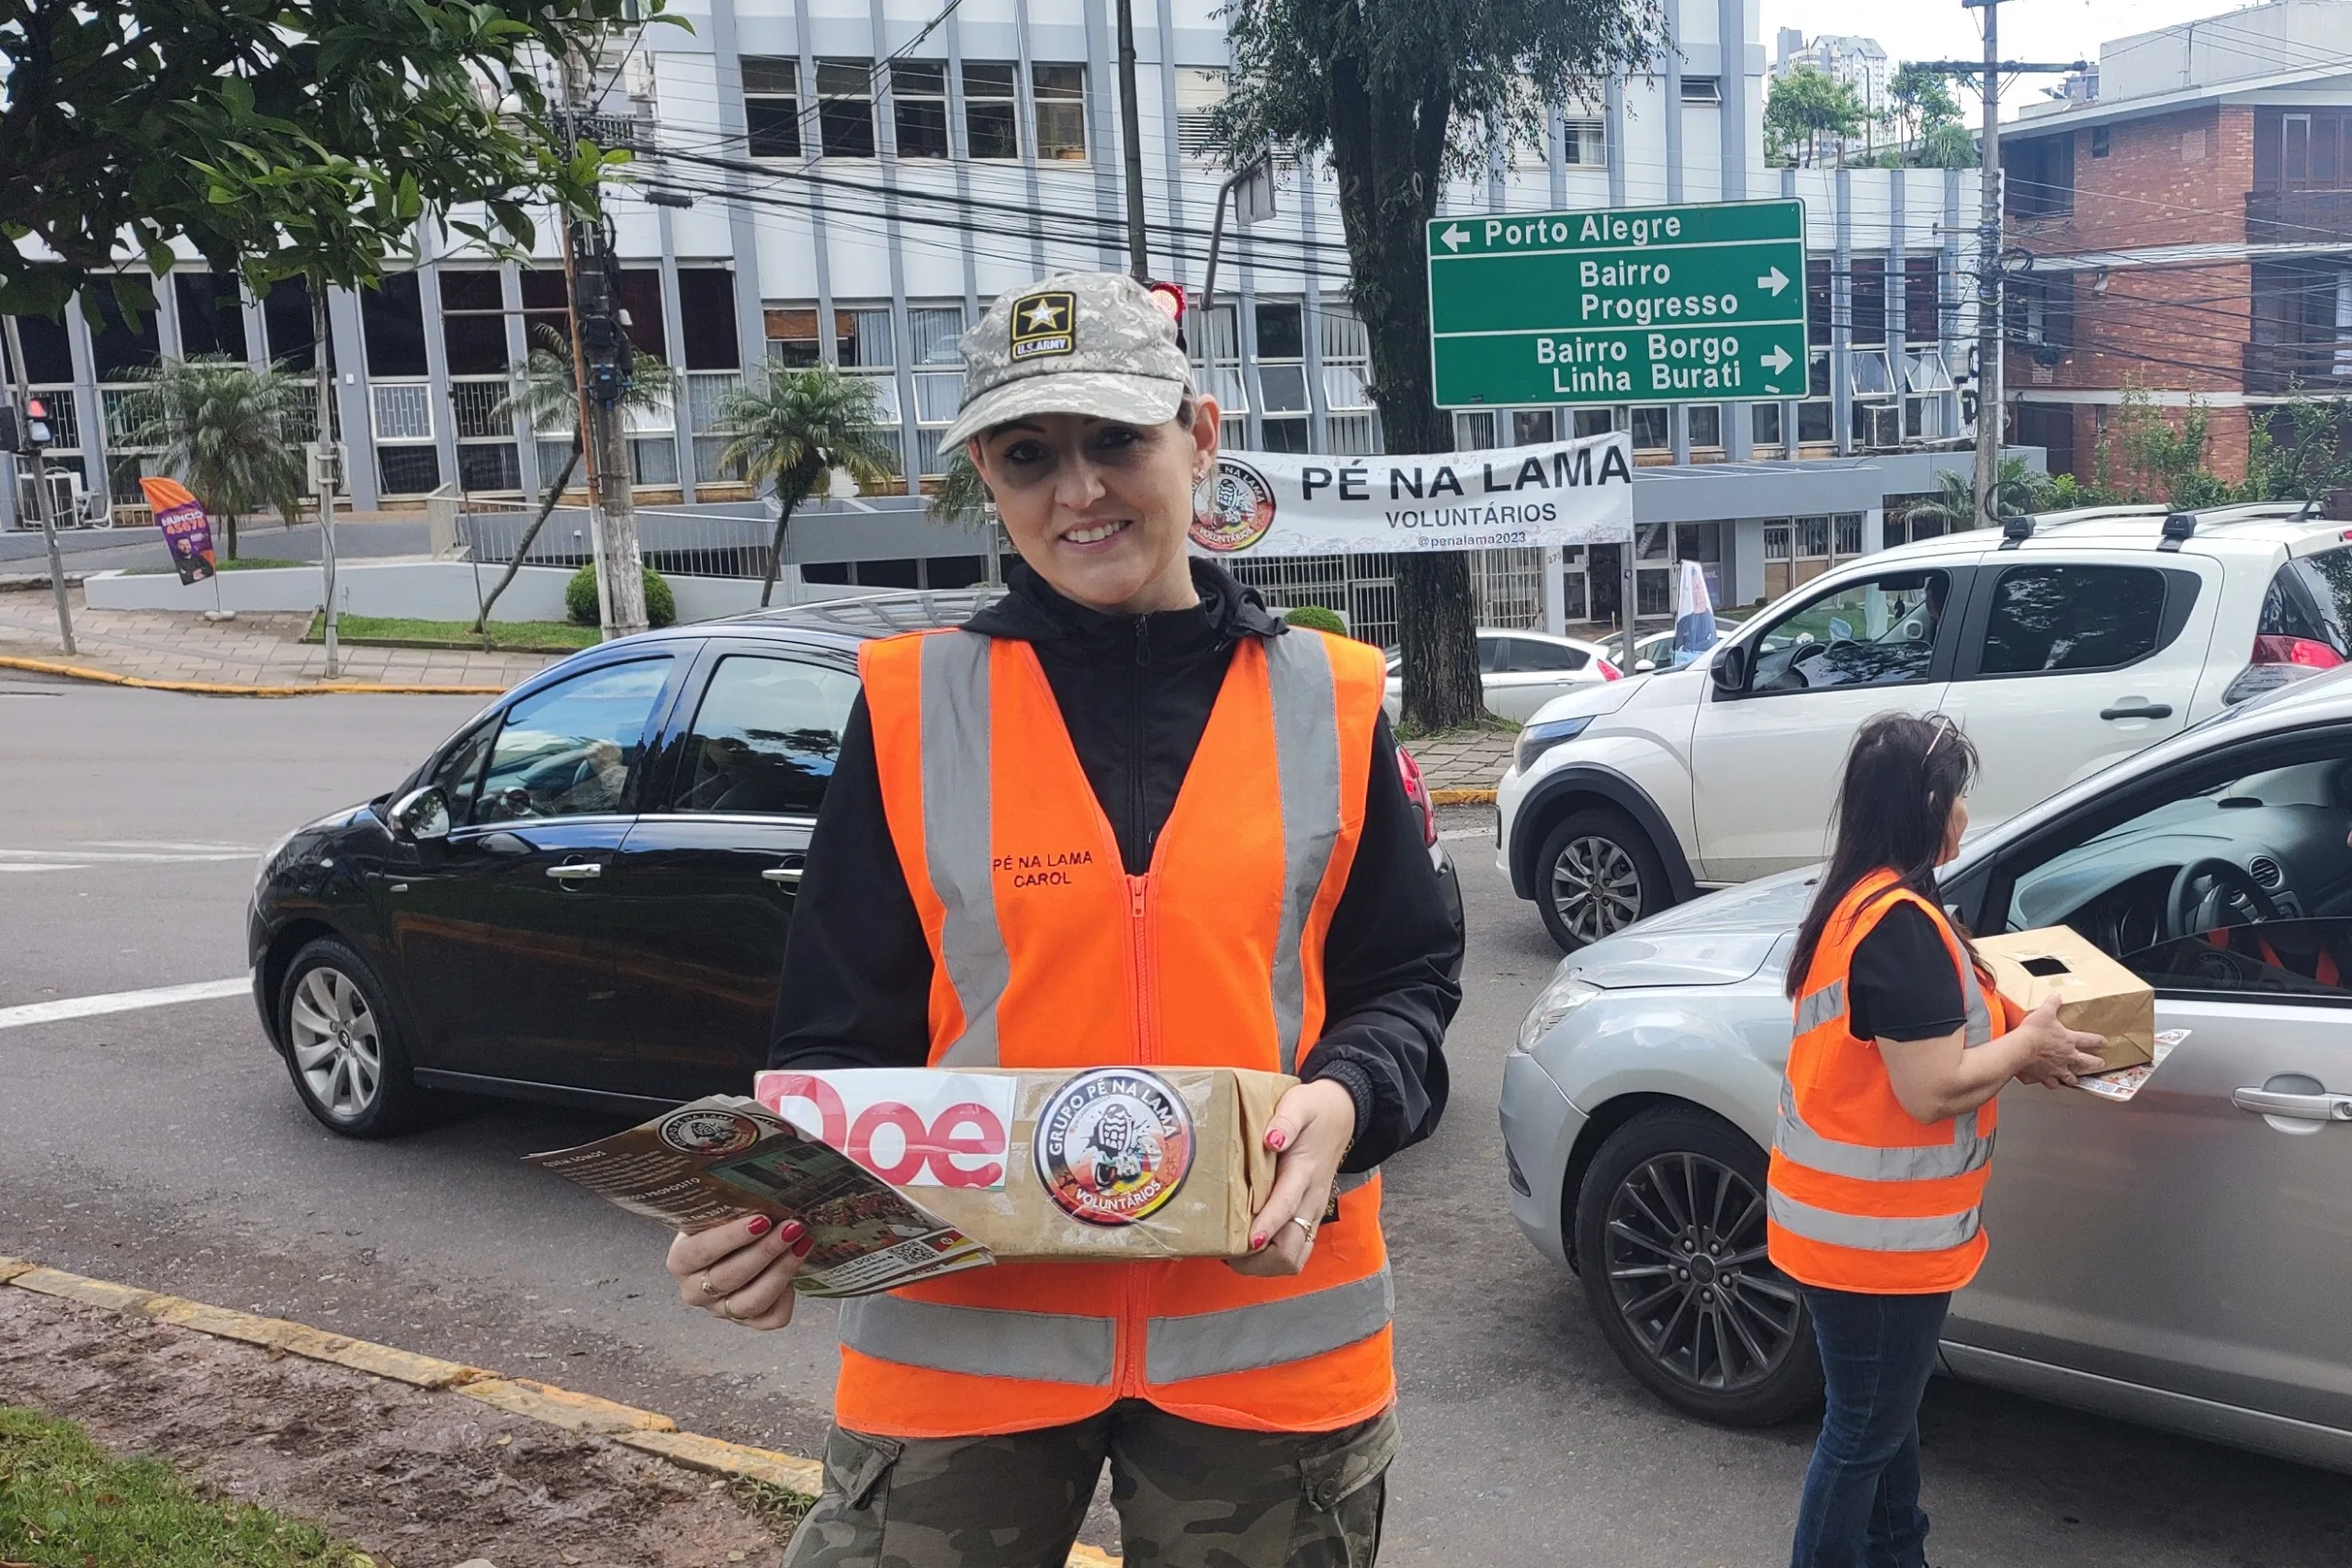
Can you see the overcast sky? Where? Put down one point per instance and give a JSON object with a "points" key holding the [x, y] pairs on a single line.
{"points": [[2031, 29]]}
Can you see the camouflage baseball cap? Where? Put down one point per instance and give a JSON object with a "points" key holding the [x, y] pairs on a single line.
{"points": [[1083, 342]]}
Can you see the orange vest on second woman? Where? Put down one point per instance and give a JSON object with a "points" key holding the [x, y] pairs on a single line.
{"points": [[1213, 957], [1864, 1196]]}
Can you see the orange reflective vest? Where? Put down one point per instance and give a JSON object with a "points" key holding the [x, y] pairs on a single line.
{"points": [[1046, 953], [1862, 1195]]}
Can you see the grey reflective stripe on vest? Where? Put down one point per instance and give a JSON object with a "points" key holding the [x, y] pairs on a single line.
{"points": [[1268, 1334], [1817, 1007], [1306, 761], [1980, 1016], [1870, 1162], [1933, 1233], [957, 835], [1042, 1346]]}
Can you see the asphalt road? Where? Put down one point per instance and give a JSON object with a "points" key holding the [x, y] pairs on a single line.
{"points": [[164, 1147]]}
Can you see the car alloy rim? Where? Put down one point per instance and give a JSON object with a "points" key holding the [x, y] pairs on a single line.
{"points": [[1597, 889], [1684, 1250], [335, 1045]]}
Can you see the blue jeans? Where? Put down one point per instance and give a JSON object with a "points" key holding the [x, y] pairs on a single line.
{"points": [[1862, 1494]]}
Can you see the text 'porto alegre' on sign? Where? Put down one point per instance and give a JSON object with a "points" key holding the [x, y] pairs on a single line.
{"points": [[1653, 304]]}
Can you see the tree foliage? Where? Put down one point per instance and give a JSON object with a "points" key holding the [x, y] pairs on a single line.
{"points": [[1398, 91], [223, 429], [277, 137], [1952, 146], [2299, 449], [793, 428], [1920, 101], [962, 499], [2017, 490], [1805, 104]]}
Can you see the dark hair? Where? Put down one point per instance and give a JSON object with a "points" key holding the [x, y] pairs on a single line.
{"points": [[1903, 774]]}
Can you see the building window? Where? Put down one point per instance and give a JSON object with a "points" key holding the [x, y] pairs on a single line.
{"points": [[772, 104], [1819, 301], [1060, 92], [1653, 429], [1866, 299], [1922, 310], [2039, 176], [1595, 422], [212, 316], [473, 323], [391, 317], [1706, 425], [866, 352], [1199, 90], [931, 332], [1473, 430], [991, 108], [1282, 376], [473, 341], [1703, 89], [2102, 141], [1352, 425], [1847, 534], [1584, 143], [845, 108], [1764, 423], [919, 107], [1532, 427], [1815, 419], [1220, 348]]}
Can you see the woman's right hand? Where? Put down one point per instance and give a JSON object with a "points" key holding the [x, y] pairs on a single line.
{"points": [[2055, 1054], [742, 1271]]}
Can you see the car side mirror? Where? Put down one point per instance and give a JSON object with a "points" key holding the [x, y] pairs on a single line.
{"points": [[1644, 666], [1728, 669], [422, 815]]}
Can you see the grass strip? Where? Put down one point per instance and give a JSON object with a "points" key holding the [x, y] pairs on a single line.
{"points": [[242, 563], [505, 636], [66, 1503]]}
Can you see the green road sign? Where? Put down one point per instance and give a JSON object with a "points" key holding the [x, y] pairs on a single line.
{"points": [[1642, 305]]}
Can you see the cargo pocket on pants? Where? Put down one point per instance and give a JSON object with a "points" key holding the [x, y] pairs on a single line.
{"points": [[1345, 1478], [844, 1530]]}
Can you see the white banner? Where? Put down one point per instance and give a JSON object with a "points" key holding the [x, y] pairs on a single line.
{"points": [[1293, 503]]}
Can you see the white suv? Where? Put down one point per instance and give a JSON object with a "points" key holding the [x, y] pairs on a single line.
{"points": [[2061, 643]]}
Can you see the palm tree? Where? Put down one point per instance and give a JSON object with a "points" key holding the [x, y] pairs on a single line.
{"points": [[794, 428], [546, 397], [2016, 491], [963, 498], [221, 428]]}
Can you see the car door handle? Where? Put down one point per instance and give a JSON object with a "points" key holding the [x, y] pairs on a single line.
{"points": [[576, 873], [2132, 709], [2302, 1107], [781, 873]]}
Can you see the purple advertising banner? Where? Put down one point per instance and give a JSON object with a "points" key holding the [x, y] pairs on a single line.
{"points": [[185, 527]]}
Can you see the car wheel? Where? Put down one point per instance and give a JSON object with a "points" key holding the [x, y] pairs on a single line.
{"points": [[1596, 874], [343, 1047], [1669, 1230]]}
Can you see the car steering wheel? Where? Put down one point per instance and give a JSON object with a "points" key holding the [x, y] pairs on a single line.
{"points": [[2191, 908]]}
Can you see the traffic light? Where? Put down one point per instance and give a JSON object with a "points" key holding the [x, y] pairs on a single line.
{"points": [[37, 432]]}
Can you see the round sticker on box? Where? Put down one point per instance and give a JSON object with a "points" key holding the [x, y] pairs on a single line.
{"points": [[710, 1131], [1114, 1145]]}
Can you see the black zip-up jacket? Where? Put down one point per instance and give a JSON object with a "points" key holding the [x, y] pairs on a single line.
{"points": [[1134, 691]]}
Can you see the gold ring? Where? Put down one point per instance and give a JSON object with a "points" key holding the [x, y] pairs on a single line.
{"points": [[709, 1290], [722, 1309], [1306, 1225]]}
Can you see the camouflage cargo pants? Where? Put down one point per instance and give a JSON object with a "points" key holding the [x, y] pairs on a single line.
{"points": [[1189, 1496]]}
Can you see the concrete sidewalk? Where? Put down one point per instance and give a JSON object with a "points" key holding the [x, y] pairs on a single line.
{"points": [[1464, 760], [253, 651]]}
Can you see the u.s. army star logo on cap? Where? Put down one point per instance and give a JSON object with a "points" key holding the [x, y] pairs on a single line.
{"points": [[1043, 324]]}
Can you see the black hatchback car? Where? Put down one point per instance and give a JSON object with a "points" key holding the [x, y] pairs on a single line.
{"points": [[583, 896]]}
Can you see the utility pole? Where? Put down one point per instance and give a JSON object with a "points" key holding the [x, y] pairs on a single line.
{"points": [[601, 357], [31, 438], [1131, 139]]}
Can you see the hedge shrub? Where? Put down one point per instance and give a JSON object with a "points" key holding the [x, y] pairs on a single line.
{"points": [[579, 598], [1317, 618]]}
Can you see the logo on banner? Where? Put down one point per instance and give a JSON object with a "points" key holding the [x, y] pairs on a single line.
{"points": [[709, 1132], [1114, 1145], [1236, 512]]}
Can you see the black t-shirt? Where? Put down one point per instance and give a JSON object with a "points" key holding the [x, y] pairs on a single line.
{"points": [[1902, 985]]}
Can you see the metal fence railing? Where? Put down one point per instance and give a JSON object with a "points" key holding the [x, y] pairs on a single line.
{"points": [[674, 544]]}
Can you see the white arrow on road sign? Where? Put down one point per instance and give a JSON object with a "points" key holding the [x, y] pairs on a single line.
{"points": [[1773, 281], [1455, 237], [1776, 361]]}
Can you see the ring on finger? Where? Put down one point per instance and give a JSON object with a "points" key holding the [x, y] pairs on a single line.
{"points": [[709, 1290], [1303, 1223], [726, 1309]]}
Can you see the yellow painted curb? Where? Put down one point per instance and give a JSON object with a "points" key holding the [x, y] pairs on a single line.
{"points": [[1462, 797], [226, 688], [644, 1430]]}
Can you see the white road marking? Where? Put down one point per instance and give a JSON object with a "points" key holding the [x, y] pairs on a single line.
{"points": [[160, 854], [43, 865], [122, 1001]]}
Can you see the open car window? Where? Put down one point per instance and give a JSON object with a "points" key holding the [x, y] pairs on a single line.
{"points": [[1879, 631]]}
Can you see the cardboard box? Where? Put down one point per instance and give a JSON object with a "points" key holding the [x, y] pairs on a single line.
{"points": [[1122, 1162], [2095, 993]]}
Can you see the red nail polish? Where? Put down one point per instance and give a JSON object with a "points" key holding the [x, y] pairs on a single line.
{"points": [[759, 1223], [802, 1247], [1276, 1139], [790, 1231], [1258, 1241]]}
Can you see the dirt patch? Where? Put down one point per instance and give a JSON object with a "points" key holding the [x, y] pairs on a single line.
{"points": [[417, 1480]]}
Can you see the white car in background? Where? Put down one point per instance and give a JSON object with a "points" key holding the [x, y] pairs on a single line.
{"points": [[1654, 650], [2061, 643], [1521, 670]]}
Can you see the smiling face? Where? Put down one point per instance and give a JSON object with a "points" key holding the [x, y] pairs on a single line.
{"points": [[1099, 507]]}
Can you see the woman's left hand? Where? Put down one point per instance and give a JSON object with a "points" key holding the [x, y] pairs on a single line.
{"points": [[1312, 1127]]}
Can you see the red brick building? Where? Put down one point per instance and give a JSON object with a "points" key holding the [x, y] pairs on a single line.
{"points": [[2191, 232]]}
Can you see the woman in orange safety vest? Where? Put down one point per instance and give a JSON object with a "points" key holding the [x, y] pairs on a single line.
{"points": [[1885, 1133], [1237, 878]]}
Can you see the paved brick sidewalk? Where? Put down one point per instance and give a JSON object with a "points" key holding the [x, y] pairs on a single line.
{"points": [[252, 650], [1463, 758]]}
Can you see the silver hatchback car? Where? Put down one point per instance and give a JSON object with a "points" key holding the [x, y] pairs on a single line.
{"points": [[2183, 1258]]}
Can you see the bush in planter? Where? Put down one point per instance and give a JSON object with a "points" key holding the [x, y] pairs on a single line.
{"points": [[1317, 618], [579, 598]]}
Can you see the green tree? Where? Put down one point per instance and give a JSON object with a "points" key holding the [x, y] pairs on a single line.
{"points": [[1398, 91], [222, 428], [2302, 451], [1804, 104], [547, 397], [793, 428], [1919, 100], [2017, 490], [206, 121], [962, 499], [1950, 146]]}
